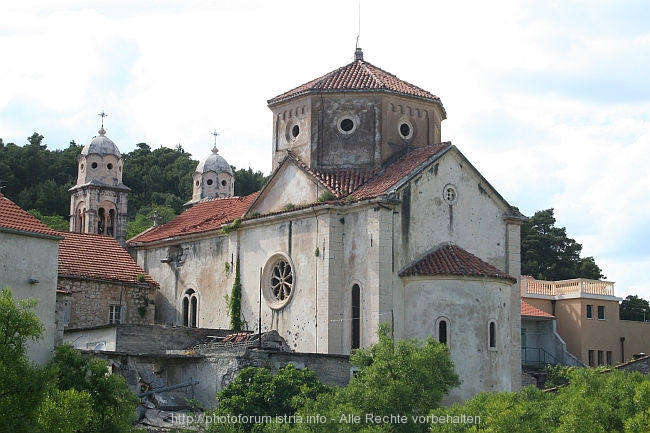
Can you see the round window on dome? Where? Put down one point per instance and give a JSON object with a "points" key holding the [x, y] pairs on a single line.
{"points": [[405, 130], [210, 182], [196, 183], [224, 183], [347, 124], [81, 167], [109, 166], [93, 165]]}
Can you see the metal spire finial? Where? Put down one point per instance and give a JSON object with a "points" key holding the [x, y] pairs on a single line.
{"points": [[102, 114], [214, 149]]}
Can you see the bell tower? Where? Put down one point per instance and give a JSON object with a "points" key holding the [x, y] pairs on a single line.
{"points": [[98, 201]]}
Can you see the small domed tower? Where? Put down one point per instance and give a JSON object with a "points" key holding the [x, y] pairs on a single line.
{"points": [[98, 201], [213, 178]]}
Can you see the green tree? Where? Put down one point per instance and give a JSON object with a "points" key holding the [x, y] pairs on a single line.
{"points": [[256, 392], [66, 411], [23, 385], [548, 254], [113, 404], [55, 222], [407, 378], [144, 219], [634, 308], [247, 181]]}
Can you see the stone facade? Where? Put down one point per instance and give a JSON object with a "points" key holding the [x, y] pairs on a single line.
{"points": [[90, 302], [324, 275]]}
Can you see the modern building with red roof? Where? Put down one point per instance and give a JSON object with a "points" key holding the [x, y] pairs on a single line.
{"points": [[367, 217], [28, 266]]}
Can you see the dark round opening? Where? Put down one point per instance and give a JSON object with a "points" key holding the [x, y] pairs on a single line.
{"points": [[347, 125], [295, 131], [94, 165], [209, 182], [109, 166], [197, 183], [405, 130], [224, 183]]}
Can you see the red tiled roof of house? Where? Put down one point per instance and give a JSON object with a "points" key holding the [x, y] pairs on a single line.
{"points": [[453, 260], [530, 311], [344, 182], [14, 217], [357, 76], [399, 170], [100, 257], [204, 216]]}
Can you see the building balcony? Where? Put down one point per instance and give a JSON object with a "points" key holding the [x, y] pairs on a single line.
{"points": [[576, 286]]}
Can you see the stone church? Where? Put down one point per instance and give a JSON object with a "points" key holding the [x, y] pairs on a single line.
{"points": [[367, 218]]}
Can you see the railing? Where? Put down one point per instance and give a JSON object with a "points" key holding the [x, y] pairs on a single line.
{"points": [[531, 286], [537, 356]]}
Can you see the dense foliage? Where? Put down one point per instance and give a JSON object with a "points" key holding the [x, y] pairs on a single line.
{"points": [[593, 401], [38, 179], [634, 308], [406, 378], [73, 393], [548, 254]]}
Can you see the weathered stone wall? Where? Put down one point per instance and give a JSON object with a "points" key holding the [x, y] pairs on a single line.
{"points": [[90, 301], [25, 258]]}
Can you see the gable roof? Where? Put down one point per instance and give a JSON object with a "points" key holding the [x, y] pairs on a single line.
{"points": [[404, 167], [204, 216], [358, 76], [452, 260], [83, 255], [530, 311], [15, 218]]}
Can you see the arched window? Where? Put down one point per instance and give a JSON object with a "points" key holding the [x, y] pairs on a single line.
{"points": [[110, 225], [190, 308], [356, 317], [492, 335], [101, 221], [442, 331]]}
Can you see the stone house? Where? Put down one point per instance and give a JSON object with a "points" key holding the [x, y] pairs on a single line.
{"points": [[28, 266], [367, 218], [100, 284]]}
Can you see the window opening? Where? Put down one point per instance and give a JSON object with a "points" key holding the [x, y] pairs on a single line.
{"points": [[601, 312], [492, 335], [442, 331], [590, 311], [356, 317], [101, 221]]}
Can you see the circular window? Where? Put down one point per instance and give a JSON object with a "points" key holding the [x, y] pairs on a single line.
{"points": [[224, 183], [196, 183], [295, 131], [347, 124], [405, 130], [449, 194], [210, 182], [109, 166], [279, 281], [81, 167], [94, 165]]}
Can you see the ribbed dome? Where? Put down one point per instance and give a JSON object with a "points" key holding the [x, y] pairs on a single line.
{"points": [[101, 145], [214, 162]]}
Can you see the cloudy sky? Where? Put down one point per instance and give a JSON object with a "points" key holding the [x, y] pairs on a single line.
{"points": [[549, 100]]}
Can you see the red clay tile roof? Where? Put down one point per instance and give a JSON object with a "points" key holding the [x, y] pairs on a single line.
{"points": [[100, 257], [530, 311], [357, 76], [14, 217], [453, 260], [204, 216], [399, 170], [340, 182]]}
